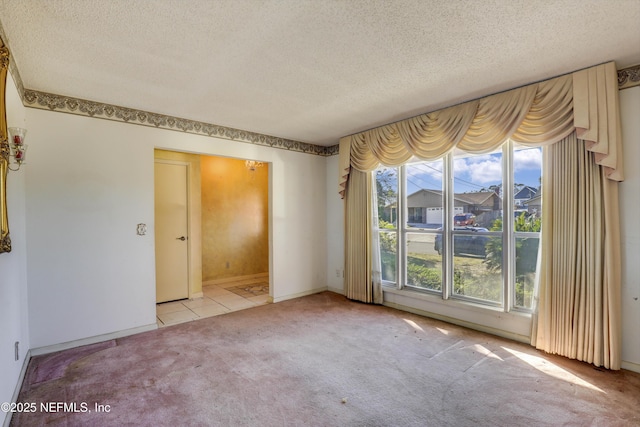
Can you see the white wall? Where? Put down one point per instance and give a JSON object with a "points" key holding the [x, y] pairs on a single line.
{"points": [[335, 229], [516, 326], [13, 269], [298, 221], [630, 228], [90, 182]]}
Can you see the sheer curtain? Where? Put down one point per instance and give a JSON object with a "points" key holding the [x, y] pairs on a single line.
{"points": [[376, 260], [541, 114]]}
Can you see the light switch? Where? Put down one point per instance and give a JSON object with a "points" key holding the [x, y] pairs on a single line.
{"points": [[142, 229]]}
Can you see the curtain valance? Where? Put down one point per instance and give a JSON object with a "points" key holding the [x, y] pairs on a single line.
{"points": [[539, 114]]}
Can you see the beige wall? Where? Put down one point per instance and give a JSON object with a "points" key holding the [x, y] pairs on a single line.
{"points": [[228, 218], [235, 218]]}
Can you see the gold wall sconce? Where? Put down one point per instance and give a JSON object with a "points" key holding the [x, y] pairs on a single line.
{"points": [[18, 149]]}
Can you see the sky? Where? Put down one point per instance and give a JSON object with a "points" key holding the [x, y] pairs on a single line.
{"points": [[477, 172]]}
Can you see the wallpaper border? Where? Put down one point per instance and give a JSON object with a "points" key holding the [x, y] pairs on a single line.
{"points": [[629, 77], [66, 104]]}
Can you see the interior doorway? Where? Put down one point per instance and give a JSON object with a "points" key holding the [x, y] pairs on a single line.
{"points": [[228, 236]]}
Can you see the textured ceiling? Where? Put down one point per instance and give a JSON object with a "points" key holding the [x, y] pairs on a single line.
{"points": [[308, 70]]}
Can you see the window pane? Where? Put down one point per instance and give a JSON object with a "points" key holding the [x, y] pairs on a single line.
{"points": [[387, 194], [478, 190], [526, 263], [425, 207], [424, 262], [388, 247], [527, 197], [477, 267]]}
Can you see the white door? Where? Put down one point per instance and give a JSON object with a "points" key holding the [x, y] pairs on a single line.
{"points": [[172, 257]]}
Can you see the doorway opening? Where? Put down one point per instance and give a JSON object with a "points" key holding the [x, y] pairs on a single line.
{"points": [[228, 237]]}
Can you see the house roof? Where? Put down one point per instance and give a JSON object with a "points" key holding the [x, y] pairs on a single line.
{"points": [[309, 71], [476, 198], [526, 193], [537, 198]]}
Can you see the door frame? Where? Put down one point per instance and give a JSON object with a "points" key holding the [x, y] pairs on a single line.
{"points": [[194, 249], [162, 153]]}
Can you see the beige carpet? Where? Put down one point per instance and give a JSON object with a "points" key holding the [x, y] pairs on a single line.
{"points": [[322, 360]]}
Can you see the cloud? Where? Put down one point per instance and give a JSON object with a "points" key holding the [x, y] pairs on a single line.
{"points": [[460, 166], [480, 170], [527, 159], [476, 172], [489, 171]]}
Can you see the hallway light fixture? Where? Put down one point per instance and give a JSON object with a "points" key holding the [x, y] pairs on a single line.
{"points": [[252, 165], [17, 146]]}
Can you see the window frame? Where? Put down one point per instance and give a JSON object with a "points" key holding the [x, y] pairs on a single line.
{"points": [[448, 233]]}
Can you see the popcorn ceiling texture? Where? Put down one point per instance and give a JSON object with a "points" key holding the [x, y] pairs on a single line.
{"points": [[308, 71]]}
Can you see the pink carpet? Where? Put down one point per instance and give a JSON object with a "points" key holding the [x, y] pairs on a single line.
{"points": [[322, 360]]}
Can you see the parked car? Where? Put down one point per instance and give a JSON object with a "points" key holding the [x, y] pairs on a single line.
{"points": [[464, 219], [467, 244]]}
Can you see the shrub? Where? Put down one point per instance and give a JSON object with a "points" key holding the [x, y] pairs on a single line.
{"points": [[424, 277]]}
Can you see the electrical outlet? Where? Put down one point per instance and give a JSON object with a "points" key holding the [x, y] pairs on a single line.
{"points": [[338, 272]]}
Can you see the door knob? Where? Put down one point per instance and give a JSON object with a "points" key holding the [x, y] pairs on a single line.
{"points": [[181, 238]]}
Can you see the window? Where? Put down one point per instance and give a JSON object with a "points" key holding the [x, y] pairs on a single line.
{"points": [[477, 188], [527, 221], [387, 195], [443, 230], [423, 236]]}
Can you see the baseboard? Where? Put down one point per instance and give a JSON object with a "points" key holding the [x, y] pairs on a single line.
{"points": [[630, 366], [16, 391], [91, 340], [459, 322], [224, 280], [300, 294], [336, 290]]}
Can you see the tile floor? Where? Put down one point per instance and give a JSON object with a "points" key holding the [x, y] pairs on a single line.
{"points": [[218, 299]]}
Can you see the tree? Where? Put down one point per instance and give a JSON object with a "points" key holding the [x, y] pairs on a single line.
{"points": [[386, 190], [388, 244], [526, 255]]}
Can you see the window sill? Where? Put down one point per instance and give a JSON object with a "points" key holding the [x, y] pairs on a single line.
{"points": [[514, 325]]}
